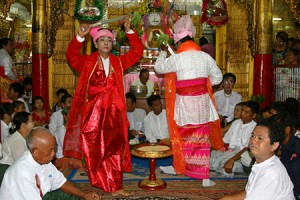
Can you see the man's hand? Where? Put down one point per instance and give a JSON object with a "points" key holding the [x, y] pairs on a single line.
{"points": [[92, 196], [229, 165]]}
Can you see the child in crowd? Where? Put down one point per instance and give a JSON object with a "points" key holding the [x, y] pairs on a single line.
{"points": [[59, 94], [265, 112], [57, 119], [237, 138], [60, 160], [17, 106], [41, 117], [5, 111], [237, 115], [15, 92], [156, 125]]}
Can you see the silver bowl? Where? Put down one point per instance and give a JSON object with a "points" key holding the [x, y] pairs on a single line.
{"points": [[139, 90]]}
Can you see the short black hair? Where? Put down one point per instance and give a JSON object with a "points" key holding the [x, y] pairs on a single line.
{"points": [[255, 107], [61, 90], [151, 99], [131, 96], [203, 41], [292, 106], [19, 118], [4, 41], [37, 98], [64, 98], [276, 130], [294, 51], [283, 36], [144, 70], [279, 106], [6, 108], [17, 87], [227, 75], [16, 104], [27, 81]]}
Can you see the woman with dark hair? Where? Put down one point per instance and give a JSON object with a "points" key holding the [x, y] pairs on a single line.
{"points": [[280, 48], [15, 145]]}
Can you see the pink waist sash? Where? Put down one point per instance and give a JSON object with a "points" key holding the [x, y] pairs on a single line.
{"points": [[192, 87]]}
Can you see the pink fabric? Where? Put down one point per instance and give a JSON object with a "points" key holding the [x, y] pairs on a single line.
{"points": [[191, 82], [97, 34], [181, 35], [196, 149], [129, 78], [184, 27]]}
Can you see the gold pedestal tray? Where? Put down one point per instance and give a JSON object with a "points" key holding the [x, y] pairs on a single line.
{"points": [[152, 152]]}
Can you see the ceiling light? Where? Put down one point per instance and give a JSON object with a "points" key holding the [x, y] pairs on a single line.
{"points": [[28, 25], [277, 18]]}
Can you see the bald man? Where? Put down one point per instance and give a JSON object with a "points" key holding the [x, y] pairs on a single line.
{"points": [[33, 175]]}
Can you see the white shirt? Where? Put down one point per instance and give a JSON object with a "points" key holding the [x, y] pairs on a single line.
{"points": [[156, 126], [7, 62], [239, 134], [191, 65], [297, 134], [60, 135], [269, 180], [226, 105], [149, 84], [26, 105], [56, 120], [19, 182], [136, 119], [13, 148], [4, 131]]}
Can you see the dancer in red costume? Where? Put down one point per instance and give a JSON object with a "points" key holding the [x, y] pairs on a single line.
{"points": [[97, 127]]}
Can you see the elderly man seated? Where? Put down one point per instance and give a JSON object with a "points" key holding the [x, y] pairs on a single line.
{"points": [[33, 175], [143, 80]]}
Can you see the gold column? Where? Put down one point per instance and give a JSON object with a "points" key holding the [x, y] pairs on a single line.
{"points": [[39, 44], [264, 27]]}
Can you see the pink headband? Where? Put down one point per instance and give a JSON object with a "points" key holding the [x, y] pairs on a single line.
{"points": [[181, 35], [96, 33]]}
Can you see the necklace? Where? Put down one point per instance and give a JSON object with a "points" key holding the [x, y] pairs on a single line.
{"points": [[227, 95]]}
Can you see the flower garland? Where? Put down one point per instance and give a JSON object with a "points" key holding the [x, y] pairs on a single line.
{"points": [[214, 13], [88, 14]]}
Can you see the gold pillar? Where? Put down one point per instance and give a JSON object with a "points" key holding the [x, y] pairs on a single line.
{"points": [[264, 27], [39, 44]]}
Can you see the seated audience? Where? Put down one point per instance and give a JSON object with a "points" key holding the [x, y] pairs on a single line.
{"points": [[135, 117], [290, 150], [33, 176], [5, 111], [15, 145], [226, 99], [237, 137], [269, 178], [143, 80], [41, 117], [265, 112], [292, 106], [57, 119], [278, 107], [15, 92], [60, 160], [17, 106], [237, 115], [59, 94], [292, 57], [156, 125]]}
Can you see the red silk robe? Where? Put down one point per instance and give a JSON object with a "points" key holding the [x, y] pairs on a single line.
{"points": [[98, 125]]}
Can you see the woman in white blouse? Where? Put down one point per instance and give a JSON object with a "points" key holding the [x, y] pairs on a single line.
{"points": [[15, 145]]}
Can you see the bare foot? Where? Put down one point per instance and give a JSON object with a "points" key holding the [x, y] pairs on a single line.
{"points": [[121, 192]]}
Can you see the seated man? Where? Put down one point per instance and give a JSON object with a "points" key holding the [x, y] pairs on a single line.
{"points": [[156, 125], [226, 99], [135, 117], [237, 138], [269, 178], [57, 119], [33, 175], [144, 80]]}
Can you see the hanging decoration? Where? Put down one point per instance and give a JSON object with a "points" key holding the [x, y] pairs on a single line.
{"points": [[295, 8], [91, 13], [214, 12]]}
